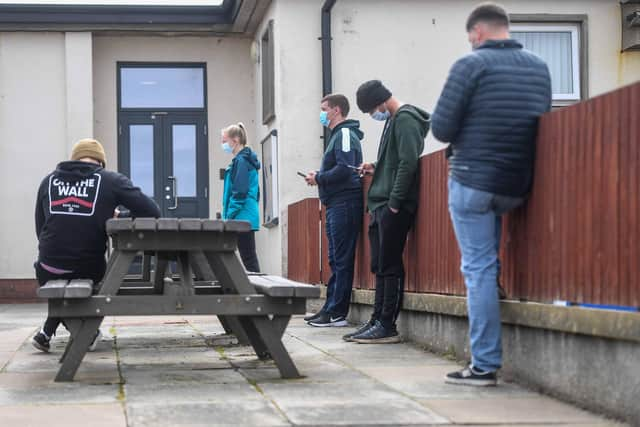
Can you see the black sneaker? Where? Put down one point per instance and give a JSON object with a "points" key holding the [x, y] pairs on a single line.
{"points": [[472, 376], [313, 316], [327, 320], [361, 329], [41, 342], [377, 334]]}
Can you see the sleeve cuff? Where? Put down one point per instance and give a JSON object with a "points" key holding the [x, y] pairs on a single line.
{"points": [[395, 204]]}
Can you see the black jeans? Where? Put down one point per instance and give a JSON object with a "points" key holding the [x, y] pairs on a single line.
{"points": [[387, 238], [93, 271], [247, 248]]}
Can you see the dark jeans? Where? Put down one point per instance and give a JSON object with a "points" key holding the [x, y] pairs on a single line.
{"points": [[247, 248], [93, 271], [343, 224], [387, 237]]}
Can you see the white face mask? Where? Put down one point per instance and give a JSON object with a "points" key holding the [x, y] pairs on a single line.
{"points": [[377, 115]]}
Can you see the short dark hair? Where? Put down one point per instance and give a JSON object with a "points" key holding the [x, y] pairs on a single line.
{"points": [[337, 100], [489, 13]]}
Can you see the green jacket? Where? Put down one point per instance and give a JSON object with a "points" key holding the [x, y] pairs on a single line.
{"points": [[395, 179]]}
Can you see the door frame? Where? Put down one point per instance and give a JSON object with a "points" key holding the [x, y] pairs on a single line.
{"points": [[126, 114]]}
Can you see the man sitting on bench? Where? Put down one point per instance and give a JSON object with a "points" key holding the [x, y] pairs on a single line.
{"points": [[74, 202]]}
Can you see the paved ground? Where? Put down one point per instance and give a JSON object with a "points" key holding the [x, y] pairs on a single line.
{"points": [[171, 371]]}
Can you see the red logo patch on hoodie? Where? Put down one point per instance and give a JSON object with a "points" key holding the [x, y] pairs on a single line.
{"points": [[76, 197]]}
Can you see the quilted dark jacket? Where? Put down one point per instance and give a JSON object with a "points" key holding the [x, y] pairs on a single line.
{"points": [[488, 111]]}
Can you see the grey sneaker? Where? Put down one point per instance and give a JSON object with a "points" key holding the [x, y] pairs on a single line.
{"points": [[349, 337], [378, 334]]}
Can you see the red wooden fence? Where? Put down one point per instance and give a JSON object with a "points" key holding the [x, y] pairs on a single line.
{"points": [[303, 239], [576, 239]]}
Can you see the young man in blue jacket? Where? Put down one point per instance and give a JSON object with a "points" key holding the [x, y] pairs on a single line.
{"points": [[340, 191], [488, 111]]}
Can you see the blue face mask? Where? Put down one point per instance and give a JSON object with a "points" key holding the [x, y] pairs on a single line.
{"points": [[324, 118], [377, 115], [227, 148]]}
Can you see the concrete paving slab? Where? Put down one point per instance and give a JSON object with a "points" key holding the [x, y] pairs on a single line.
{"points": [[538, 410], [188, 377], [95, 415], [189, 392], [174, 356], [60, 393], [250, 412], [13, 339], [347, 403]]}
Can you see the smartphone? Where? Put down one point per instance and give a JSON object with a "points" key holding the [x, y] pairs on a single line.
{"points": [[304, 175]]}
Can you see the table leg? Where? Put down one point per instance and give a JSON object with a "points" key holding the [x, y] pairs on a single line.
{"points": [[158, 276], [231, 324], [73, 325], [77, 348], [146, 267], [273, 341], [186, 274], [264, 335], [115, 275]]}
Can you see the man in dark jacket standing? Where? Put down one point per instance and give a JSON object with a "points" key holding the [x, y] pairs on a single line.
{"points": [[488, 111], [340, 191], [392, 201], [73, 204]]}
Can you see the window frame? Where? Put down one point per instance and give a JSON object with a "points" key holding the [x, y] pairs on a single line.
{"points": [[267, 65], [129, 64], [563, 21]]}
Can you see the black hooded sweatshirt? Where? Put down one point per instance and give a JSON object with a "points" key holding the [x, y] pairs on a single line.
{"points": [[73, 205]]}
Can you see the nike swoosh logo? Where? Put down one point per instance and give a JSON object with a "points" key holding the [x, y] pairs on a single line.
{"points": [[331, 319]]}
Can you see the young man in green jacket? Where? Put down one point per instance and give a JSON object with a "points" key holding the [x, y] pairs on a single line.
{"points": [[392, 202]]}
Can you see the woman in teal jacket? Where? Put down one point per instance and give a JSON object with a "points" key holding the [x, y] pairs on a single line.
{"points": [[241, 191]]}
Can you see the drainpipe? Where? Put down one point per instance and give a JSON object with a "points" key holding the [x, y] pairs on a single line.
{"points": [[325, 38]]}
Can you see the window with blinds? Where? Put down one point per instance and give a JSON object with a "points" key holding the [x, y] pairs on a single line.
{"points": [[559, 47]]}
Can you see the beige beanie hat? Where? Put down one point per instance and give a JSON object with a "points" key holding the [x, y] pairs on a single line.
{"points": [[89, 147]]}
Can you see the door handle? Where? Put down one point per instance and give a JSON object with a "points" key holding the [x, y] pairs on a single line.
{"points": [[174, 186]]}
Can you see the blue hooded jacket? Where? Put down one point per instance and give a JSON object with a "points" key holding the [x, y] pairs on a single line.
{"points": [[241, 195], [336, 180]]}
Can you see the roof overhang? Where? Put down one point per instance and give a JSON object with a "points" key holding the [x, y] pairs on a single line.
{"points": [[240, 17]]}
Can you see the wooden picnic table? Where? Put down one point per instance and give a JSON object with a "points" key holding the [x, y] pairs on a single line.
{"points": [[210, 280]]}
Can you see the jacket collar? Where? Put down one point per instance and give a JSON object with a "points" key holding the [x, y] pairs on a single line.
{"points": [[500, 44]]}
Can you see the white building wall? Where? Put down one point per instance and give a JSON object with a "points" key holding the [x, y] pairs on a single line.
{"points": [[411, 44], [298, 91], [33, 137], [79, 87]]}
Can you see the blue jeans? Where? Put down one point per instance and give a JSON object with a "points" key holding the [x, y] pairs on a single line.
{"points": [[343, 224], [477, 221]]}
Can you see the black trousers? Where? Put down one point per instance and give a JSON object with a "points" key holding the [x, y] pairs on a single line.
{"points": [[387, 238], [93, 270], [247, 248]]}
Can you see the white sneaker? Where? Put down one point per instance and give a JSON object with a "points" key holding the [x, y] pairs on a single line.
{"points": [[96, 340]]}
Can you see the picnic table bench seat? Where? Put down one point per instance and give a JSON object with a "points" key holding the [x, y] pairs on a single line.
{"points": [[276, 286], [77, 288]]}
